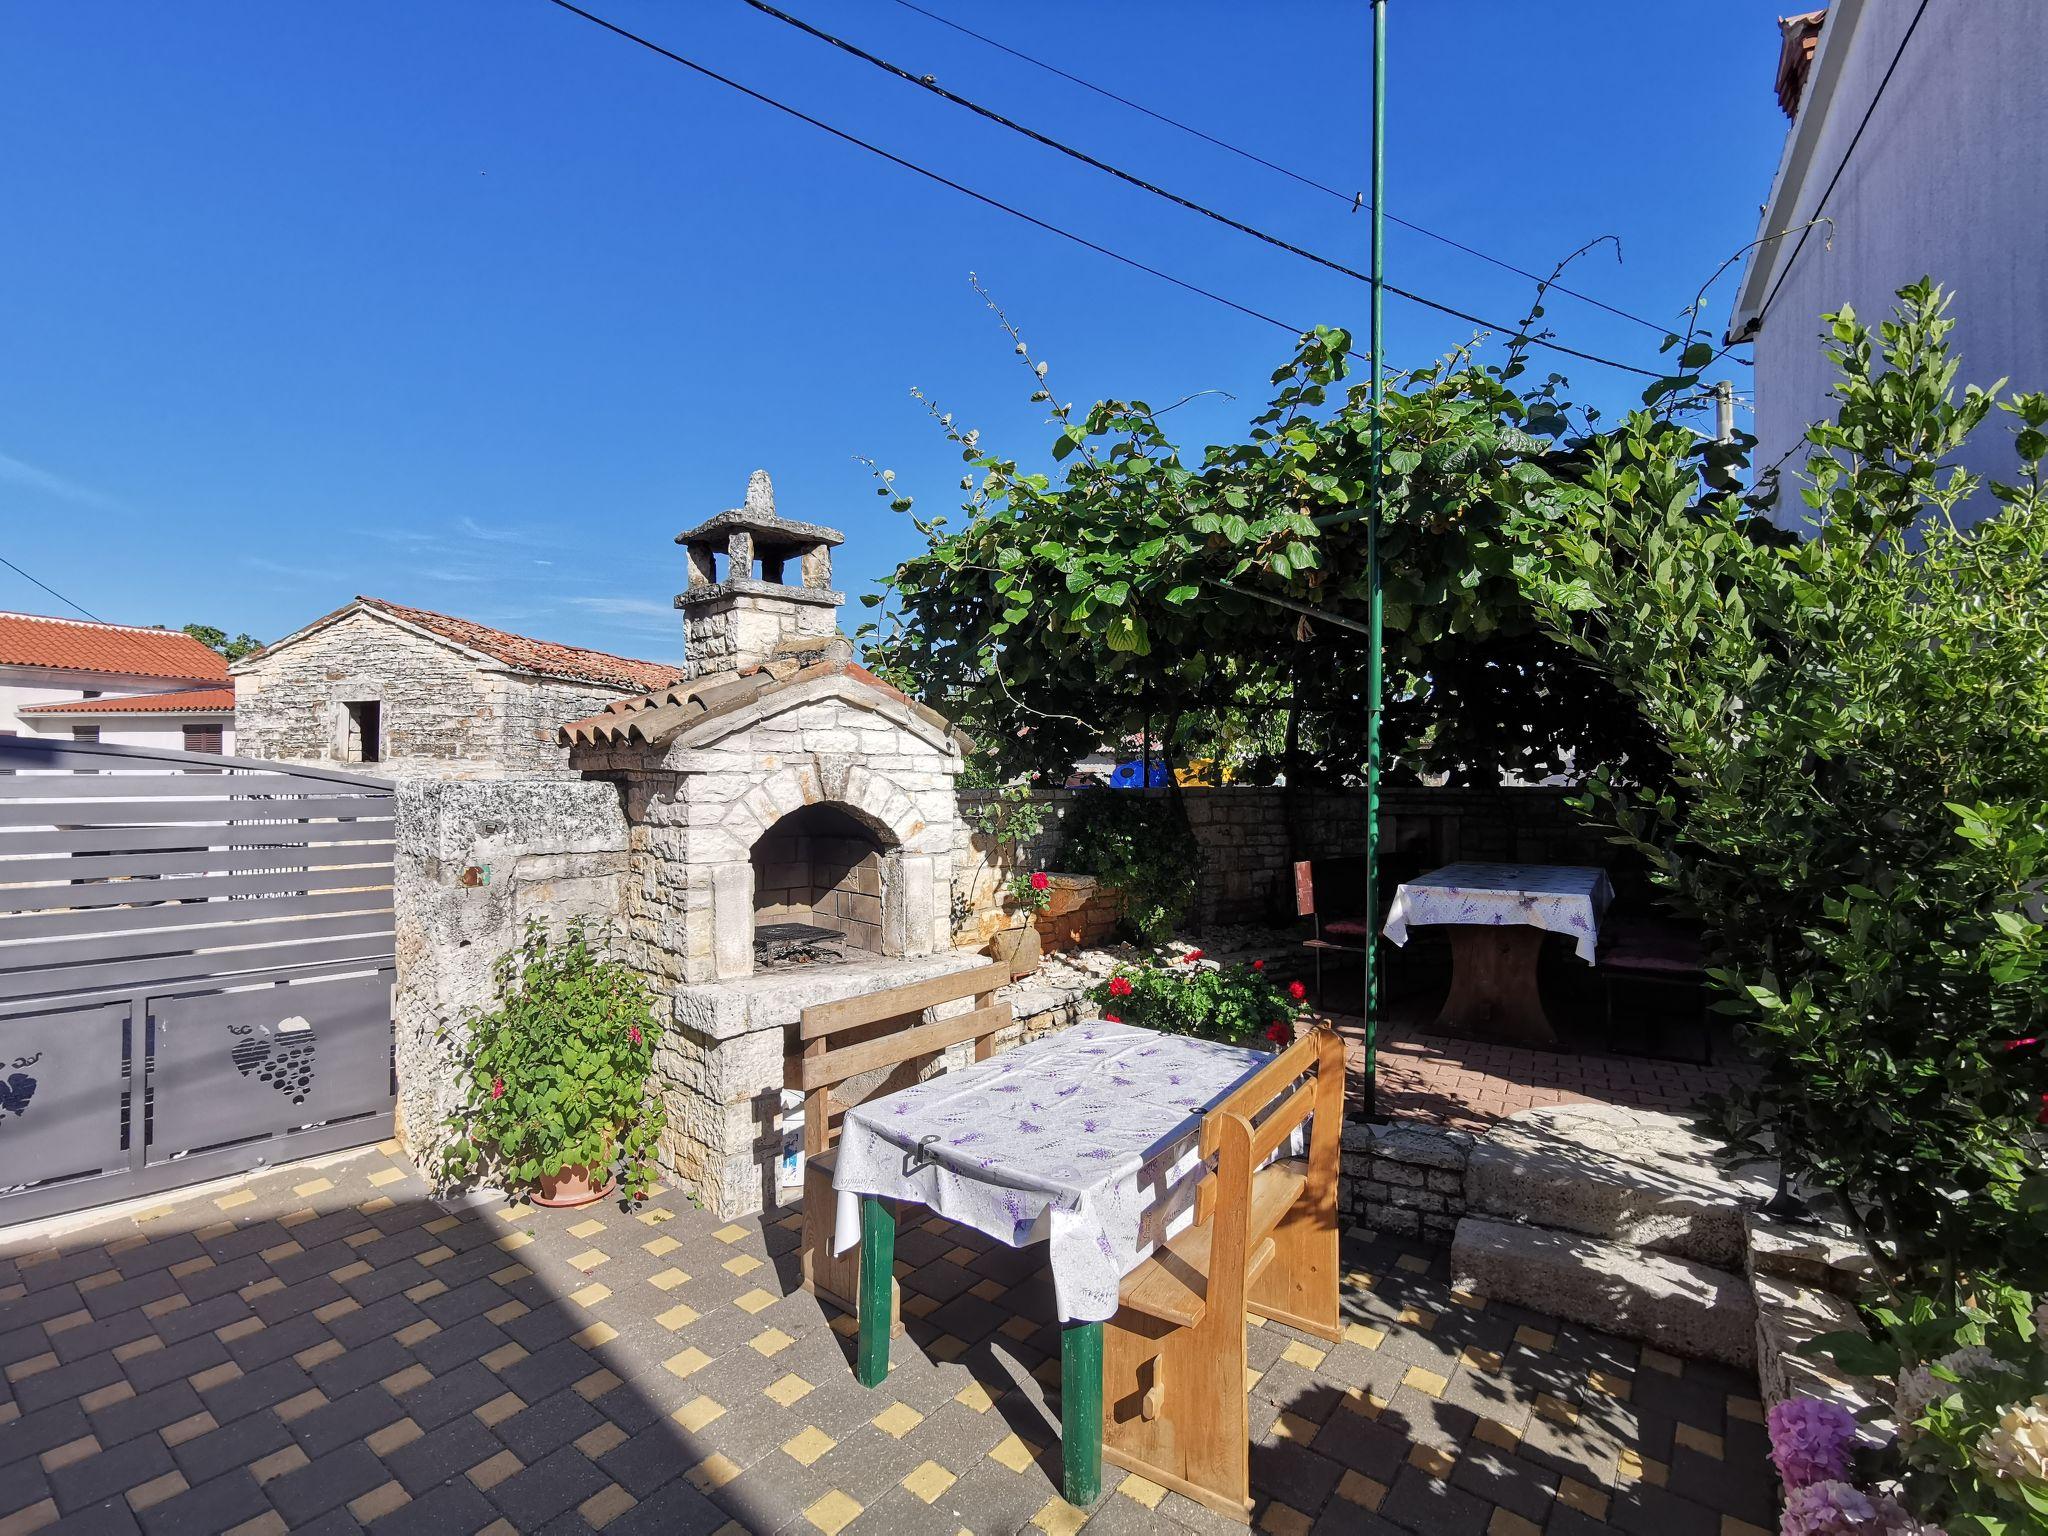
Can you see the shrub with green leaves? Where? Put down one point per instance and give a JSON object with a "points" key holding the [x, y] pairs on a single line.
{"points": [[1142, 849], [557, 1074], [1236, 1004]]}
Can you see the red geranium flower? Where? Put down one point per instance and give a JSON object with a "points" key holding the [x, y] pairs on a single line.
{"points": [[2013, 1045], [1279, 1033], [1119, 986], [497, 1087], [633, 1034], [1258, 965], [1040, 880], [1191, 956], [1296, 990], [1110, 1018]]}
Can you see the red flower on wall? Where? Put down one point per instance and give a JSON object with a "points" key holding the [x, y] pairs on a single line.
{"points": [[1191, 957], [497, 1087], [1110, 1018], [1119, 986], [1258, 965], [633, 1034], [1279, 1033], [1296, 990], [1040, 880]]}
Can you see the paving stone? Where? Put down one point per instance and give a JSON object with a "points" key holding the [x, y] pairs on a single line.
{"points": [[86, 1482], [344, 1421], [211, 1507], [327, 1483], [551, 1486]]}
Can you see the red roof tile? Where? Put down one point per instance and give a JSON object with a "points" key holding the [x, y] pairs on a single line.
{"points": [[544, 657], [30, 640], [179, 701]]}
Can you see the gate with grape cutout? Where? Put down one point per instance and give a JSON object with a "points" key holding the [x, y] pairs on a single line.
{"points": [[196, 963]]}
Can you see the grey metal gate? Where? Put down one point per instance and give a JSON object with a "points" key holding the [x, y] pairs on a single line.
{"points": [[196, 963]]}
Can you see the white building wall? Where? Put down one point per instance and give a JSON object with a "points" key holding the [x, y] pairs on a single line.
{"points": [[1947, 183], [24, 687]]}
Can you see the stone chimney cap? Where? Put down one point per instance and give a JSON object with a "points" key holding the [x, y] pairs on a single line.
{"points": [[758, 517]]}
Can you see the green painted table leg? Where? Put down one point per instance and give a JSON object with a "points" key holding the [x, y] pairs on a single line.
{"points": [[877, 1280], [1081, 1412]]}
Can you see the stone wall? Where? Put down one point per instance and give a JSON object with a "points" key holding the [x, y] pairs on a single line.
{"points": [[475, 862], [444, 712], [1247, 876], [1405, 1179]]}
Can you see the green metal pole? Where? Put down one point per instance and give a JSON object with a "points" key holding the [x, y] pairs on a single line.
{"points": [[1374, 605], [877, 1282], [1081, 1413]]}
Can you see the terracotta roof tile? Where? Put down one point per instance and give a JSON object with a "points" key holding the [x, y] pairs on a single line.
{"points": [[179, 701], [544, 657], [30, 640]]}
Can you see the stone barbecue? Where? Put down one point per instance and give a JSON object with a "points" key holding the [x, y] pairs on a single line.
{"points": [[778, 788]]}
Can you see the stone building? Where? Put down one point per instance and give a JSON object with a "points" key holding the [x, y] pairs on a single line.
{"points": [[410, 691]]}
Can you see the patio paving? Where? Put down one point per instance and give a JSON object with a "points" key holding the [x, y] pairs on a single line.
{"points": [[328, 1348]]}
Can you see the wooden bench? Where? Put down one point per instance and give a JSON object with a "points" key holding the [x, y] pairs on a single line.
{"points": [[1264, 1241], [857, 1049]]}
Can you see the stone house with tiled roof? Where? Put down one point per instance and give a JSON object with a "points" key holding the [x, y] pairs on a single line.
{"points": [[407, 691], [127, 684]]}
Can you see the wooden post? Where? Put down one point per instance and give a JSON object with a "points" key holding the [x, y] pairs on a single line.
{"points": [[877, 1277], [1081, 1413]]}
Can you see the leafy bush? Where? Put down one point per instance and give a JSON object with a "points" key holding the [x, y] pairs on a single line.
{"points": [[1234, 1004], [1856, 724], [1030, 890], [1142, 849], [557, 1074]]}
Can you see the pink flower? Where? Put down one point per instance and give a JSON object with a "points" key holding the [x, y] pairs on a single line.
{"points": [[2013, 1045], [1279, 1033], [1040, 880], [1110, 1018], [1119, 986], [497, 1087], [1810, 1441], [633, 1034], [1296, 990]]}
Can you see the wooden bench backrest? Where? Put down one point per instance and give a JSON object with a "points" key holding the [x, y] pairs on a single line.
{"points": [[858, 1035]]}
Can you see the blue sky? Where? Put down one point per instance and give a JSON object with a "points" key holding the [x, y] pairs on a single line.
{"points": [[473, 306]]}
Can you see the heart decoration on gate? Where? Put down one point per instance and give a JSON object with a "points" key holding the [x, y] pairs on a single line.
{"points": [[285, 1062]]}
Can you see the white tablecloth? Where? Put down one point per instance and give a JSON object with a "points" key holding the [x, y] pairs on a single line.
{"points": [[1088, 1137], [1561, 898]]}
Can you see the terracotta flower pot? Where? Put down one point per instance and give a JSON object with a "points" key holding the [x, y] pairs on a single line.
{"points": [[571, 1187]]}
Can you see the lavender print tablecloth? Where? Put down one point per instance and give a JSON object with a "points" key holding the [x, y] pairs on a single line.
{"points": [[1561, 898], [1087, 1138]]}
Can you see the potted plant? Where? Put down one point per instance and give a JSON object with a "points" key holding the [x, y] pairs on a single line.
{"points": [[1237, 1004], [555, 1093]]}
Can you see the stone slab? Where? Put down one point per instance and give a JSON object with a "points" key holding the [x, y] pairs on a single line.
{"points": [[773, 999]]}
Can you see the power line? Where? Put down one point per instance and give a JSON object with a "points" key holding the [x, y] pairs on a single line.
{"points": [[1854, 139], [24, 575], [925, 82], [1351, 200], [930, 175]]}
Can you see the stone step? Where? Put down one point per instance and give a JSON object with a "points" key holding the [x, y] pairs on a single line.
{"points": [[1682, 1307], [1633, 1176]]}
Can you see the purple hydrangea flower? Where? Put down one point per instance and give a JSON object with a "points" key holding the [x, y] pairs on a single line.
{"points": [[1827, 1508], [1810, 1441]]}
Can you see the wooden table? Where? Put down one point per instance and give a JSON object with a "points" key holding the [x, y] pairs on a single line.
{"points": [[1498, 915]]}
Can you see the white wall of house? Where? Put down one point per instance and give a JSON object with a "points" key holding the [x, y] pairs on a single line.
{"points": [[1947, 183], [166, 732], [21, 687]]}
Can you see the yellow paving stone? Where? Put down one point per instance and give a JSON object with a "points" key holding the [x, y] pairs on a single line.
{"points": [[975, 1396], [596, 1384], [108, 1277], [988, 1290], [1413, 1263], [71, 1450], [1019, 1327], [928, 1480], [67, 1322], [34, 1365], [435, 1255], [379, 1501], [897, 1420], [262, 1287], [1364, 1402], [190, 1427], [1472, 1301], [1433, 1460], [1730, 1526], [1554, 1408], [605, 1506], [511, 1352], [1424, 1381], [378, 1206], [414, 1375], [1059, 1518], [845, 1324], [1285, 1520], [589, 1259], [512, 1242], [1747, 1409], [756, 1300], [197, 1265], [207, 1234], [922, 1305], [668, 1279], [745, 1264], [298, 1407], [215, 1376], [1363, 1337], [1141, 1490], [433, 1288], [106, 1397], [362, 1239], [312, 1187], [654, 1216], [297, 1219], [235, 1201], [500, 1408], [240, 1329], [594, 1443], [1634, 1467], [349, 1272], [698, 1412], [1609, 1383], [503, 1276], [167, 1304], [1303, 1355], [31, 1518], [443, 1224], [1657, 1360], [1506, 1522], [1483, 1360], [948, 1349], [1694, 1438], [393, 1435], [136, 1348], [588, 1228], [9, 1412], [1536, 1339], [1360, 1489], [489, 1473], [505, 1311], [661, 1247], [1419, 1318], [341, 1308], [594, 1335], [833, 1513], [714, 1471], [687, 1362], [961, 1256], [144, 1495], [788, 1390], [1493, 1432], [1292, 1426], [277, 1463], [681, 1315], [807, 1445], [1583, 1497], [1013, 1453], [770, 1342], [384, 1176], [731, 1234], [413, 1333], [591, 1294]]}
